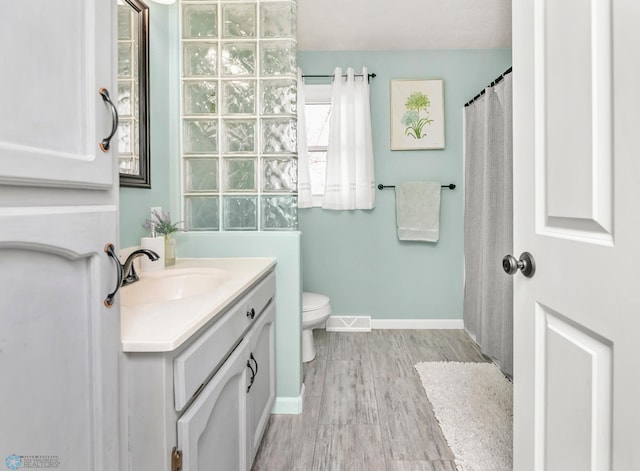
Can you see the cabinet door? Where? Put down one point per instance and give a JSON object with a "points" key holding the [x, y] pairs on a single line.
{"points": [[212, 433], [59, 344], [263, 392], [58, 341], [55, 58]]}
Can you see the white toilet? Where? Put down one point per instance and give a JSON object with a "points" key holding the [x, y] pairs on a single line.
{"points": [[316, 309]]}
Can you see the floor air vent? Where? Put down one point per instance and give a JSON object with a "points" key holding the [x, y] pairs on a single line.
{"points": [[349, 324]]}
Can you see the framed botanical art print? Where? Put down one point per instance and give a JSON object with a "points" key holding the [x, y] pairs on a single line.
{"points": [[417, 114]]}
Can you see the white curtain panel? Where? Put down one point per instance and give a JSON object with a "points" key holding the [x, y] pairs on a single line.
{"points": [[350, 180], [488, 222], [304, 179]]}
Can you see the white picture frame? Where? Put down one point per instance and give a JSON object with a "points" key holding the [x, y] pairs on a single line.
{"points": [[417, 114]]}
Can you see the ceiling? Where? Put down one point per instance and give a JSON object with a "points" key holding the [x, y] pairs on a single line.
{"points": [[380, 25]]}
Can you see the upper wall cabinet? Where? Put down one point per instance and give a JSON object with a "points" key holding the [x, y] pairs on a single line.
{"points": [[54, 133], [133, 94]]}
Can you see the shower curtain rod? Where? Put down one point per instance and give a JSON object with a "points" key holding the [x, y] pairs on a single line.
{"points": [[496, 81], [369, 76]]}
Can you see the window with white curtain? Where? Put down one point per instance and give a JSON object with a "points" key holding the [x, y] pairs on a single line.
{"points": [[336, 164], [317, 112]]}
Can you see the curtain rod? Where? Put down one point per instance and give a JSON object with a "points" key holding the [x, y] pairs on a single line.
{"points": [[369, 76], [495, 82]]}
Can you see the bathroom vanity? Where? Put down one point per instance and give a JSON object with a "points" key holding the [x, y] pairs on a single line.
{"points": [[199, 378]]}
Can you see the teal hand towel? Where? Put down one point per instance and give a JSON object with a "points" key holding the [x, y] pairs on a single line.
{"points": [[418, 211]]}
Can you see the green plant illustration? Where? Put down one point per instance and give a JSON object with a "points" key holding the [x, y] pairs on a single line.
{"points": [[417, 115]]}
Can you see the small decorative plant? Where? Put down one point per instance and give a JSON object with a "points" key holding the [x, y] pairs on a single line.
{"points": [[414, 122], [161, 223]]}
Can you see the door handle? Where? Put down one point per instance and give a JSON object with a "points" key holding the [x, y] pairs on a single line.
{"points": [[526, 264]]}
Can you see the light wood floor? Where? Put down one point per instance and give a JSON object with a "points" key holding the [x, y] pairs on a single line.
{"points": [[364, 406]]}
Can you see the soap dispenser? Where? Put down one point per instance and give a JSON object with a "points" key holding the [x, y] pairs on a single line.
{"points": [[157, 245]]}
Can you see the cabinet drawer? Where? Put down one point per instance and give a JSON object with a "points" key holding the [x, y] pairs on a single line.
{"points": [[204, 356]]}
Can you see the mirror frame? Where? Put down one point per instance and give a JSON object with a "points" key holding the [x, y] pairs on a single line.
{"points": [[143, 178]]}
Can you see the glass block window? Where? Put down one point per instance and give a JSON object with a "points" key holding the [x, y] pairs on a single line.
{"points": [[240, 175], [278, 19], [239, 97], [238, 59], [200, 21], [202, 213], [200, 59], [200, 97], [240, 213], [279, 213], [200, 174], [279, 135], [200, 136], [278, 58], [238, 105], [280, 174], [239, 20], [278, 97]]}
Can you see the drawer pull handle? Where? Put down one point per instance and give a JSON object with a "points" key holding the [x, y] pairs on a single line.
{"points": [[251, 313], [105, 143], [251, 357], [253, 376], [110, 250]]}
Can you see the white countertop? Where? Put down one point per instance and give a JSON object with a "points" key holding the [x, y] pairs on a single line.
{"points": [[163, 327]]}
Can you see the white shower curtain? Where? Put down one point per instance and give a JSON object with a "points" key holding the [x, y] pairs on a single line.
{"points": [[488, 222], [304, 179], [350, 174]]}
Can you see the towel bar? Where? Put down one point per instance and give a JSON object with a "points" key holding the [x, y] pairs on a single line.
{"points": [[451, 186]]}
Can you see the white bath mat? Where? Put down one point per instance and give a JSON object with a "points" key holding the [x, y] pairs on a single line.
{"points": [[473, 402]]}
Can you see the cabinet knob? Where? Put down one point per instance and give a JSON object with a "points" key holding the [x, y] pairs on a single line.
{"points": [[251, 313]]}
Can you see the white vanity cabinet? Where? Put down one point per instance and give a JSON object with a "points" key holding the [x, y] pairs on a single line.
{"points": [[205, 405]]}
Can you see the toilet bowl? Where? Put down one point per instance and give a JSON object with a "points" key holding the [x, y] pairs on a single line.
{"points": [[316, 309]]}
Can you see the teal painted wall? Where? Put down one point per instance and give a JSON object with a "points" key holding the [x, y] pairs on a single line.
{"points": [[135, 202], [354, 257]]}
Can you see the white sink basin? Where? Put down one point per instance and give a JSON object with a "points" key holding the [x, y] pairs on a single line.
{"points": [[171, 285]]}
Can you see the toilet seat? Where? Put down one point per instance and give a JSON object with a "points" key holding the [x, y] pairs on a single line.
{"points": [[315, 306], [313, 301]]}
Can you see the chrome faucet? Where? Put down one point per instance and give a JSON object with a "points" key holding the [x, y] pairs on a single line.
{"points": [[130, 275]]}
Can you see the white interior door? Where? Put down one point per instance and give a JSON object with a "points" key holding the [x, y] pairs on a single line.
{"points": [[576, 194]]}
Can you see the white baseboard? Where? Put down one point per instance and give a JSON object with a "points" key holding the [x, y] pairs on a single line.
{"points": [[366, 324], [417, 324], [289, 405]]}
